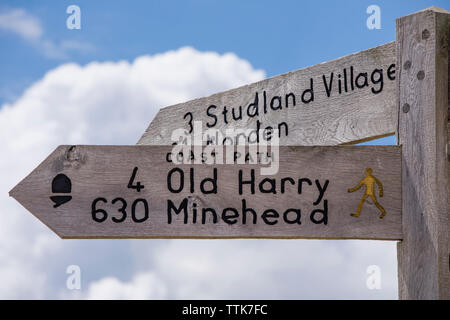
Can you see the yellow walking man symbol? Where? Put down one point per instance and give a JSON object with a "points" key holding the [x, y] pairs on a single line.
{"points": [[369, 182]]}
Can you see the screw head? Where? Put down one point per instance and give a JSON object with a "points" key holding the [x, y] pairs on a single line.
{"points": [[406, 108], [421, 75], [407, 65]]}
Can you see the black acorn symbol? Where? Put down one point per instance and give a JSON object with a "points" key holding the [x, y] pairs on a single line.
{"points": [[61, 184]]}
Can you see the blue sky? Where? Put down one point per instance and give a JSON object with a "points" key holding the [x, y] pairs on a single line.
{"points": [[47, 100], [277, 36]]}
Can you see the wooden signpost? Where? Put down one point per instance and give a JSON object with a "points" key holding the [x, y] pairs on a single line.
{"points": [[321, 192], [342, 101], [423, 103], [135, 192]]}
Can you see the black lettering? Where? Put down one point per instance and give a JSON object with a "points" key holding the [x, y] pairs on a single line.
{"points": [[352, 85], [189, 114], [345, 80], [324, 212], [391, 72], [224, 112], [191, 178], [283, 181], [297, 216], [328, 86], [268, 133], [265, 101], [138, 186], [245, 210], [321, 190], [230, 219], [251, 182], [258, 127], [213, 182], [145, 217], [272, 187], [300, 182], [240, 114], [183, 207], [194, 212], [95, 211], [169, 180], [365, 83], [214, 215], [122, 210], [292, 98], [339, 84], [243, 136], [377, 80], [270, 214], [282, 124], [278, 104], [310, 91], [253, 107], [209, 125]]}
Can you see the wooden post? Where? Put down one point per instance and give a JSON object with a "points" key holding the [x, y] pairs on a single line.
{"points": [[423, 101]]}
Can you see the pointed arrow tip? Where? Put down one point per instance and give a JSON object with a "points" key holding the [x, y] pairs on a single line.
{"points": [[12, 192], [15, 191]]}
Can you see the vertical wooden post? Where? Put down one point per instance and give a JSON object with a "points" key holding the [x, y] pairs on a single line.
{"points": [[423, 101]]}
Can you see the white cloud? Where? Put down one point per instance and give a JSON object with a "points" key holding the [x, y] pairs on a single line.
{"points": [[112, 103], [20, 281], [100, 103], [29, 28], [142, 286], [269, 269], [62, 49], [18, 21]]}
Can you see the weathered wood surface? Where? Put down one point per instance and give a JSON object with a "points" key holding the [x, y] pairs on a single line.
{"points": [[422, 55], [104, 172], [355, 114]]}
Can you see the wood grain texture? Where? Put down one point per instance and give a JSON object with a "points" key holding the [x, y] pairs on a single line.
{"points": [[356, 115], [104, 171], [422, 55]]}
